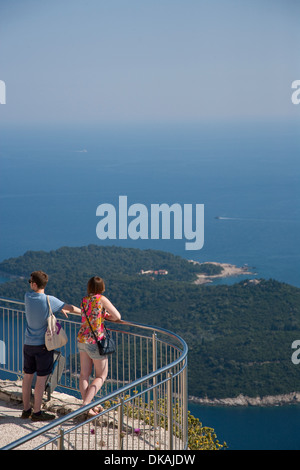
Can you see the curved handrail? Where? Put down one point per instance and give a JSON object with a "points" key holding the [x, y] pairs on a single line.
{"points": [[84, 409], [181, 359]]}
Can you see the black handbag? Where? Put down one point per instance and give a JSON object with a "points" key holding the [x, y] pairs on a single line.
{"points": [[105, 345]]}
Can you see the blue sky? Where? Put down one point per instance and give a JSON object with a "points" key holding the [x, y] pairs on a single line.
{"points": [[93, 61]]}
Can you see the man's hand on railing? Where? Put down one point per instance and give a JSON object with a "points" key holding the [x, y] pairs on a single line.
{"points": [[71, 309], [64, 312]]}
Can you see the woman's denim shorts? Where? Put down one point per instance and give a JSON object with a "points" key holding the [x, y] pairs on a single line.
{"points": [[91, 349]]}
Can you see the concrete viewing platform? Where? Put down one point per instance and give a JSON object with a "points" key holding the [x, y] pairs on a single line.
{"points": [[99, 434], [12, 427]]}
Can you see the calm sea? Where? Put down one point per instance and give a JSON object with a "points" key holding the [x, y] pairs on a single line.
{"points": [[53, 179]]}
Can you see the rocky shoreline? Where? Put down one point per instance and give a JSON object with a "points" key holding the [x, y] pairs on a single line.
{"points": [[242, 400]]}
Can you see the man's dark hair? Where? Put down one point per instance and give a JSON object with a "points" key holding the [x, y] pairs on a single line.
{"points": [[40, 278]]}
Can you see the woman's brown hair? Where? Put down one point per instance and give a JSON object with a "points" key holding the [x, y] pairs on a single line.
{"points": [[95, 285]]}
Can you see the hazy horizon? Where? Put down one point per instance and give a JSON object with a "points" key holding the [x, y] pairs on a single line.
{"points": [[77, 62]]}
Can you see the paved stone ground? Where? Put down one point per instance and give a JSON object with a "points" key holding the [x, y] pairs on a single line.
{"points": [[99, 434], [12, 427]]}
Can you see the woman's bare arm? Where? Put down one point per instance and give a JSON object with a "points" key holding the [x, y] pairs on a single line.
{"points": [[113, 313]]}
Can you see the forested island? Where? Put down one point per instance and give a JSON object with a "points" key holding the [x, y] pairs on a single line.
{"points": [[239, 336]]}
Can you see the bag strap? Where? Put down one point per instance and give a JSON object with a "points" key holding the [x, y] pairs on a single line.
{"points": [[50, 309], [51, 327]]}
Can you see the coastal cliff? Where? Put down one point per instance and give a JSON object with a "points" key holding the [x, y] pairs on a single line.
{"points": [[242, 400]]}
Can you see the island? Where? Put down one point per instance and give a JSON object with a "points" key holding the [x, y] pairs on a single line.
{"points": [[239, 335]]}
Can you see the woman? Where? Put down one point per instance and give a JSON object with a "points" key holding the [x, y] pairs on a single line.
{"points": [[92, 305]]}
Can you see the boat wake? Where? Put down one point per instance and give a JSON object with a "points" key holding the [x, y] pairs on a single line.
{"points": [[230, 218]]}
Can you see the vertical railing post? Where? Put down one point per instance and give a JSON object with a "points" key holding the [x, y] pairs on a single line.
{"points": [[120, 423], [154, 361], [61, 439], [170, 409], [185, 406]]}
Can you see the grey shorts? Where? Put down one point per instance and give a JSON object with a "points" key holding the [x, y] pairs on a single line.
{"points": [[91, 349]]}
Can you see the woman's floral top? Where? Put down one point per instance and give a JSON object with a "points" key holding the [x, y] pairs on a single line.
{"points": [[93, 308]]}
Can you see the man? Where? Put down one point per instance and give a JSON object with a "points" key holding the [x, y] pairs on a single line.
{"points": [[36, 356]]}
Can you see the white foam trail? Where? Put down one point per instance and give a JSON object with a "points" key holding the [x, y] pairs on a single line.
{"points": [[252, 219], [231, 218]]}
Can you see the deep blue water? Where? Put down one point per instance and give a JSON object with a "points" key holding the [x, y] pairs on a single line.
{"points": [[254, 428], [49, 190], [247, 173]]}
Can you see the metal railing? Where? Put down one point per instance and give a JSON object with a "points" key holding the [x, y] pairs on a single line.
{"points": [[145, 396]]}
